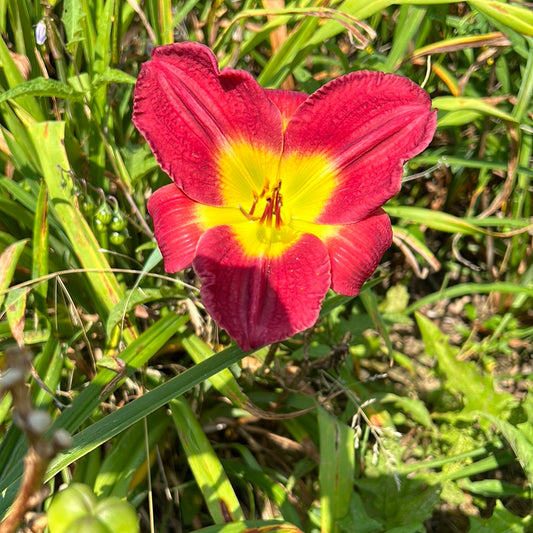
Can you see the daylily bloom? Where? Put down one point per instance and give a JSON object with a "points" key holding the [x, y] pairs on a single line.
{"points": [[276, 195]]}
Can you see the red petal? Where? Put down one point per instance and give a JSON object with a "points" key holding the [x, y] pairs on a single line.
{"points": [[286, 101], [368, 124], [188, 110], [260, 300], [356, 251], [175, 225]]}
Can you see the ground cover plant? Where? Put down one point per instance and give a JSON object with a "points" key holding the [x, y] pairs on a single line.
{"points": [[406, 408]]}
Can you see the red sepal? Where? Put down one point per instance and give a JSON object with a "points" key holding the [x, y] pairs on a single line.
{"points": [[356, 250], [175, 226]]}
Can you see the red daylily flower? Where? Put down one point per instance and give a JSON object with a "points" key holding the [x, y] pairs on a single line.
{"points": [[277, 195]]}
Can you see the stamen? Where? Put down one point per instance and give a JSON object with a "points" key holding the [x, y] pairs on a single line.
{"points": [[249, 215], [252, 209], [273, 205], [277, 210], [267, 213]]}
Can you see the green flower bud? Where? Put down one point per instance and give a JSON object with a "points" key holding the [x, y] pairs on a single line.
{"points": [[118, 222], [119, 516], [75, 502], [117, 238], [104, 213]]}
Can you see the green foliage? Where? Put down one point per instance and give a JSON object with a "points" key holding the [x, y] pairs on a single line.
{"points": [[403, 409]]}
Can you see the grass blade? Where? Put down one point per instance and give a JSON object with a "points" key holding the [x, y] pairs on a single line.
{"points": [[218, 493]]}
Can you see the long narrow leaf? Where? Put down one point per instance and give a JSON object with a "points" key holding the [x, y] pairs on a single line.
{"points": [[48, 138], [337, 467], [218, 493], [8, 263]]}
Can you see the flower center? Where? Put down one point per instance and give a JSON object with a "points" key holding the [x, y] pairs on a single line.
{"points": [[270, 199], [269, 204]]}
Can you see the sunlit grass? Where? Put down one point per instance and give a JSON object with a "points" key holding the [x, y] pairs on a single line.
{"points": [[406, 409]]}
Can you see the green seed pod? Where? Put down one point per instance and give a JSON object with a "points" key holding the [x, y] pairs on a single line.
{"points": [[104, 213], [118, 222], [117, 238], [87, 206], [99, 226]]}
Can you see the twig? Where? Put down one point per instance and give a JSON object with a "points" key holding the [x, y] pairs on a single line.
{"points": [[34, 423]]}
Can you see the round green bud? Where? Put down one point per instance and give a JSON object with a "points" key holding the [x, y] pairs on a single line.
{"points": [[104, 213], [67, 506], [118, 222], [89, 524], [117, 238], [99, 226], [87, 206], [118, 515]]}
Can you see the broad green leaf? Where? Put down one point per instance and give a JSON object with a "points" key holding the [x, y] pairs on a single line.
{"points": [[401, 504], [458, 118], [279, 65], [416, 409], [42, 87], [519, 442], [408, 25], [369, 301], [493, 488], [104, 20], [48, 365], [523, 101], [3, 14], [527, 427], [464, 378], [358, 519]]}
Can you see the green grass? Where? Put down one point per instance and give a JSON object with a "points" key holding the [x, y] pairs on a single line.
{"points": [[406, 409]]}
